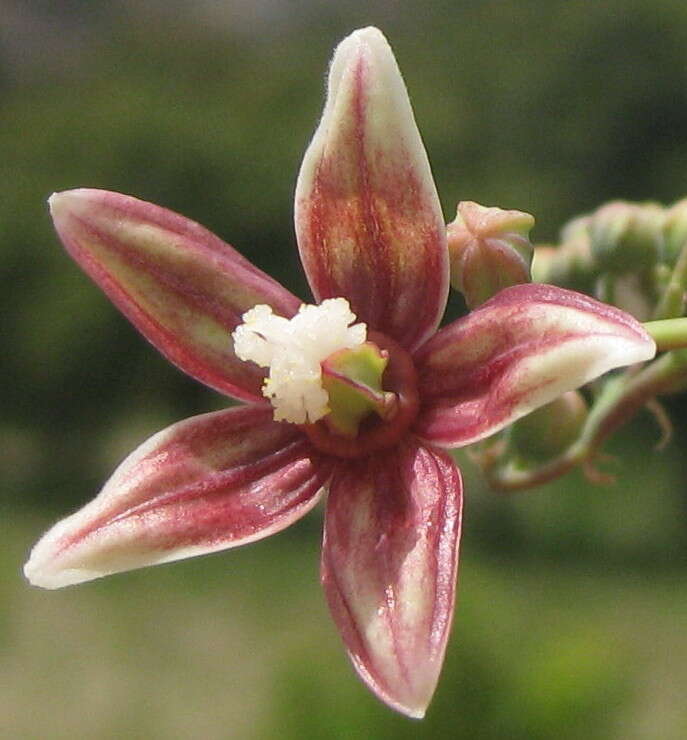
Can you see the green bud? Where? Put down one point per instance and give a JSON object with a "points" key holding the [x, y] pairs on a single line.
{"points": [[543, 261], [489, 249], [626, 237], [576, 229], [634, 292], [675, 231], [550, 430], [570, 265]]}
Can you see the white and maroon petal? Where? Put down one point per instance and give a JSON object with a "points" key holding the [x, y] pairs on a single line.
{"points": [[520, 350], [209, 483], [368, 218], [389, 565], [181, 286]]}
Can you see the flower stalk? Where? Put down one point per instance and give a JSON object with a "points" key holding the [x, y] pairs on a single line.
{"points": [[668, 333], [672, 302]]}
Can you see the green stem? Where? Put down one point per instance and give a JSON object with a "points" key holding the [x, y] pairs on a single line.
{"points": [[509, 478], [668, 334], [623, 397], [620, 400], [672, 302]]}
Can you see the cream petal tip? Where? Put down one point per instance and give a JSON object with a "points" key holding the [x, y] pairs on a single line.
{"points": [[51, 580], [43, 567], [37, 574], [44, 571], [370, 35], [411, 712], [66, 201], [369, 40], [56, 203]]}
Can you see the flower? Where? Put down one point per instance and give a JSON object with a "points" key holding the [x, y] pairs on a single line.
{"points": [[370, 231]]}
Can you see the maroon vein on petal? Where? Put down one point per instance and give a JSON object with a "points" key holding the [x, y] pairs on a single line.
{"points": [[389, 564], [523, 348], [367, 214], [209, 483], [181, 286]]}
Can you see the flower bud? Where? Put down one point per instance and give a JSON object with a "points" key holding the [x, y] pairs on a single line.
{"points": [[635, 293], [543, 262], [675, 231], [489, 249], [576, 229], [626, 237], [550, 430], [570, 265]]}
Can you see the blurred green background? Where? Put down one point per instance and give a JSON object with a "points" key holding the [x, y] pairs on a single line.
{"points": [[572, 607]]}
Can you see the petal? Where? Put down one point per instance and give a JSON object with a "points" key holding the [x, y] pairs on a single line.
{"points": [[208, 483], [389, 568], [182, 287], [368, 218], [520, 350]]}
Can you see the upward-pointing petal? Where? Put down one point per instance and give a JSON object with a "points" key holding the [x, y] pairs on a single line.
{"points": [[368, 217], [181, 286]]}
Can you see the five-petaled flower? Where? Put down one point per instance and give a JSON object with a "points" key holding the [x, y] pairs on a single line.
{"points": [[370, 230]]}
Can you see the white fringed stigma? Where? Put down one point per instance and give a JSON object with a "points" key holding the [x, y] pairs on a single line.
{"points": [[293, 350]]}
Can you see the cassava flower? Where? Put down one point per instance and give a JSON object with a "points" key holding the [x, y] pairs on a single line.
{"points": [[361, 411]]}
